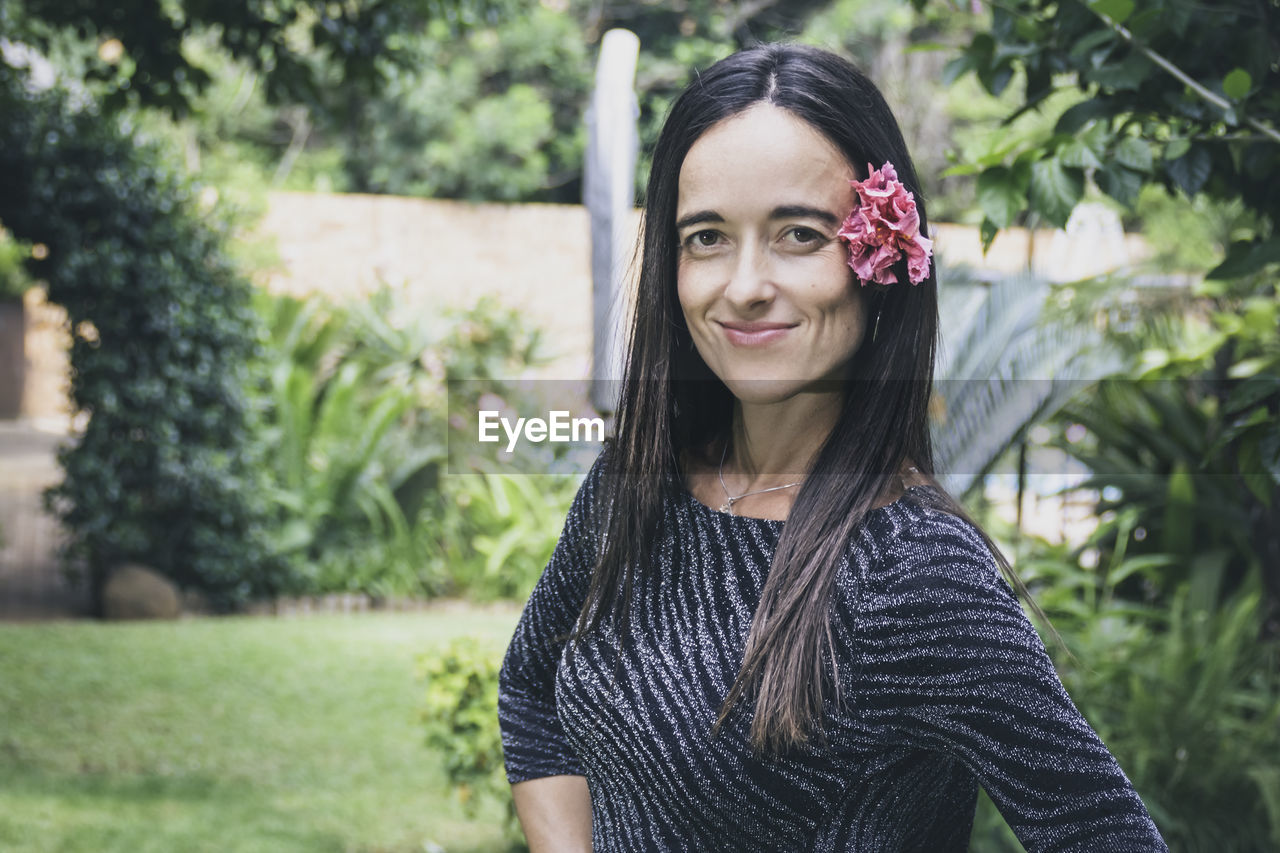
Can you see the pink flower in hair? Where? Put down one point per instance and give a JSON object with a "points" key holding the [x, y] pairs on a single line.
{"points": [[883, 227]]}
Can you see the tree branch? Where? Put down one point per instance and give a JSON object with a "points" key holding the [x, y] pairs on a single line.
{"points": [[1184, 78]]}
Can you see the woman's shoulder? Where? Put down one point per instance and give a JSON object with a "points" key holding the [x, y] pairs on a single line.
{"points": [[922, 532], [601, 467], [588, 506], [933, 594], [917, 554]]}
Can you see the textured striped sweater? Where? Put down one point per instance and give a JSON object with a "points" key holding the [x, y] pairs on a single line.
{"points": [[946, 686]]}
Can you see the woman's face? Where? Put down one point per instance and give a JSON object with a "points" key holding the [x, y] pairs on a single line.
{"points": [[764, 284]]}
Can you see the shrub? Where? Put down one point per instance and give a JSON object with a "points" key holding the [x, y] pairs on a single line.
{"points": [[498, 531], [14, 280], [354, 444], [1191, 704], [357, 432], [1187, 698], [163, 337], [460, 716]]}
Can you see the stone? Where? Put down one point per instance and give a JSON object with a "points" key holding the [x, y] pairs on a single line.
{"points": [[195, 603], [136, 592]]}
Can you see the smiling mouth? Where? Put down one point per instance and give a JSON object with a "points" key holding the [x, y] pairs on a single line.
{"points": [[755, 334]]}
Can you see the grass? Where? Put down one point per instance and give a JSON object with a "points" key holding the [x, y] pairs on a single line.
{"points": [[232, 734]]}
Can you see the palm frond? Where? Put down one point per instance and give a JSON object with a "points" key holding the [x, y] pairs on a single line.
{"points": [[1008, 363]]}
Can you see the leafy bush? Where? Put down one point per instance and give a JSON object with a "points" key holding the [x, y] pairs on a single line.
{"points": [[14, 280], [1188, 448], [1192, 704], [165, 472], [1173, 614], [354, 444], [498, 531], [1185, 695], [460, 717], [1012, 360], [1168, 486], [356, 424], [494, 115]]}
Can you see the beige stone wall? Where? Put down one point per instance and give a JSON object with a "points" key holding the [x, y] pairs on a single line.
{"points": [[1050, 254], [534, 257], [47, 344]]}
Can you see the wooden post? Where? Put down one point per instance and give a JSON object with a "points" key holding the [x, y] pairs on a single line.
{"points": [[609, 194]]}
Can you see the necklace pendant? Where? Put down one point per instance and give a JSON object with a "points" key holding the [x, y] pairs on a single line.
{"points": [[727, 507]]}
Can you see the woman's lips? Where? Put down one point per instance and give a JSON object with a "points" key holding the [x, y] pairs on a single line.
{"points": [[755, 334]]}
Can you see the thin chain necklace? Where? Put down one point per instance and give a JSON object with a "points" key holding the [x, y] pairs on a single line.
{"points": [[730, 500]]}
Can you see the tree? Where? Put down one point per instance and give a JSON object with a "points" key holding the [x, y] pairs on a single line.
{"points": [[139, 53], [475, 99], [166, 469], [499, 114], [1185, 96], [1207, 124]]}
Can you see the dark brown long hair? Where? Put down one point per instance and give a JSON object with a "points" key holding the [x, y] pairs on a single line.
{"points": [[671, 403]]}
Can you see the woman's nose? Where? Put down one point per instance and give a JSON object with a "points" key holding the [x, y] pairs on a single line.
{"points": [[751, 279]]}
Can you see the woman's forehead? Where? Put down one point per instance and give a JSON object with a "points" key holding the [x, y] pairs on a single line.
{"points": [[759, 160]]}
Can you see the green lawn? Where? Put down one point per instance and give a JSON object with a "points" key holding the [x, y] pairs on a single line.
{"points": [[232, 734]]}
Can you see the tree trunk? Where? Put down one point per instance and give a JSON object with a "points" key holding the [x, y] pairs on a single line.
{"points": [[13, 357]]}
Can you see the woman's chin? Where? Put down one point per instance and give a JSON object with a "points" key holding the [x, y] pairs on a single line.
{"points": [[767, 389]]}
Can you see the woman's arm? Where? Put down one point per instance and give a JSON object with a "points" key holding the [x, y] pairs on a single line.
{"points": [[957, 667], [548, 785], [555, 813]]}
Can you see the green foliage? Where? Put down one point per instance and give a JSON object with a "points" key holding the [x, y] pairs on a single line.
{"points": [[496, 115], [165, 472], [498, 530], [354, 445], [1169, 607], [1152, 454], [460, 717], [1186, 699], [355, 426], [1184, 96], [1188, 447], [499, 114], [1193, 710], [475, 100], [1182, 101], [1012, 357], [281, 41], [14, 280], [1186, 235], [1184, 694], [489, 341]]}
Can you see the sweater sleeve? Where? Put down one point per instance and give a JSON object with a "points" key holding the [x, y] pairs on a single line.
{"points": [[955, 666], [533, 742]]}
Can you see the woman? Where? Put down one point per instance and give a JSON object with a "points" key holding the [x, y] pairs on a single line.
{"points": [[765, 626]]}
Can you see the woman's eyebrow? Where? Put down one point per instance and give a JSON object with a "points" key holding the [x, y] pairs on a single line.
{"points": [[800, 211], [785, 211], [699, 217]]}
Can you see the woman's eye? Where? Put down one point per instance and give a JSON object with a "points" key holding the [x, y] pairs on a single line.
{"points": [[805, 236], [702, 239]]}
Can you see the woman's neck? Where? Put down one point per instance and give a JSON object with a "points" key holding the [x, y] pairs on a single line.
{"points": [[775, 443]]}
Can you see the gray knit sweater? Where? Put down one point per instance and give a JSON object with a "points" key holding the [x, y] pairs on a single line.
{"points": [[946, 686]]}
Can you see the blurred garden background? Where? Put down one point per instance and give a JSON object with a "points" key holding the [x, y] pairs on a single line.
{"points": [[248, 599]]}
